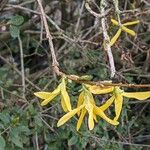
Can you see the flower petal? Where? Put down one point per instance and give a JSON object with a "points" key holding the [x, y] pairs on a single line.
{"points": [[83, 112], [115, 22], [118, 105], [89, 107], [51, 96], [88, 104], [91, 119], [43, 95], [137, 95], [95, 118], [66, 99], [107, 103], [67, 116], [131, 32], [100, 113], [131, 23], [116, 36], [100, 90], [65, 95], [63, 104], [80, 100]]}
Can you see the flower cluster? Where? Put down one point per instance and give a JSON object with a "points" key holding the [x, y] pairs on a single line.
{"points": [[49, 96], [122, 27], [86, 103]]}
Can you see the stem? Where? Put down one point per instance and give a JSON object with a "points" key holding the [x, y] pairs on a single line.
{"points": [[22, 67], [48, 35], [116, 4], [102, 83], [107, 46]]}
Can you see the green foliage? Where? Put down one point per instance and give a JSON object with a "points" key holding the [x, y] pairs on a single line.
{"points": [[14, 31], [2, 143], [17, 20], [14, 28]]}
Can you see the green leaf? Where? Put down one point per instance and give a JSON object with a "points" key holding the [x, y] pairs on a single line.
{"points": [[17, 141], [86, 77], [84, 142], [17, 20], [15, 138], [14, 31], [73, 140], [38, 121], [5, 118], [2, 143]]}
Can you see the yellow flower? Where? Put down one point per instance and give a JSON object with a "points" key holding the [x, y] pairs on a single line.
{"points": [[99, 90], [122, 28], [49, 96], [86, 104], [117, 98]]}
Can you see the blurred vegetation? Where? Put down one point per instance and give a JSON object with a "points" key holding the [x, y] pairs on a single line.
{"points": [[78, 41]]}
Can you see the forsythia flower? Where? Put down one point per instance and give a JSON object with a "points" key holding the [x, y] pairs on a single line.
{"points": [[85, 104], [122, 28], [117, 98], [100, 90], [49, 96]]}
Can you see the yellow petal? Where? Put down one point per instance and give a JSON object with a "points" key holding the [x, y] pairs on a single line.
{"points": [[137, 95], [63, 105], [83, 112], [67, 116], [100, 113], [66, 99], [89, 107], [115, 22], [95, 118], [65, 95], [88, 104], [90, 97], [107, 103], [100, 90], [51, 97], [46, 101], [131, 23], [118, 105], [43, 95], [131, 32], [90, 119], [80, 101], [116, 36]]}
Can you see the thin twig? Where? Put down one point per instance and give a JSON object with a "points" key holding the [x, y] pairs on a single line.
{"points": [[35, 12], [41, 32], [36, 141], [87, 6], [12, 66], [22, 67], [47, 124], [10, 92], [2, 93], [48, 35], [116, 4], [118, 142], [5, 130], [100, 83], [79, 18], [107, 46]]}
